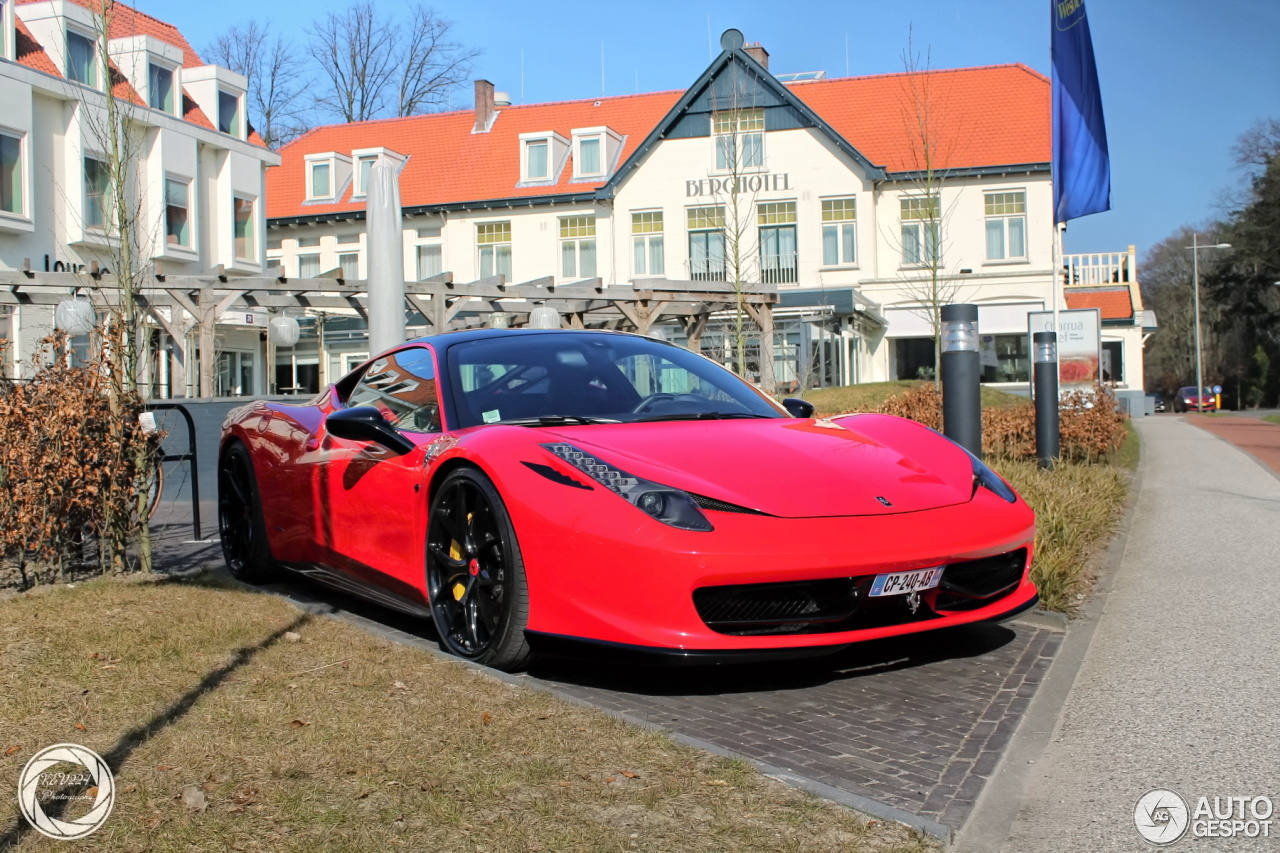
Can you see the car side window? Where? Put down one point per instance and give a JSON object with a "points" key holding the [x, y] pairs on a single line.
{"points": [[402, 385]]}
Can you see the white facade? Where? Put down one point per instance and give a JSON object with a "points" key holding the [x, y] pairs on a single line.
{"points": [[195, 189]]}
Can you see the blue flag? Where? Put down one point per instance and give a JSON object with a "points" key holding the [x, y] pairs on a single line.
{"points": [[1081, 165]]}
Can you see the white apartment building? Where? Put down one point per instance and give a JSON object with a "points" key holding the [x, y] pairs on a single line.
{"points": [[824, 188], [198, 181]]}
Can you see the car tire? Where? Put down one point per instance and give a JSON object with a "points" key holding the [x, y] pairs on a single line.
{"points": [[475, 574], [240, 523]]}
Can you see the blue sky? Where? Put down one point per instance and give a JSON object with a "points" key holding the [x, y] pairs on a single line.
{"points": [[1180, 79]]}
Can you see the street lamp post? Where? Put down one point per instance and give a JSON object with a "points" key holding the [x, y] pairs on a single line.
{"points": [[1195, 248]]}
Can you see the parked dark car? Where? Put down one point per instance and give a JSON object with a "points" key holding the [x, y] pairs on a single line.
{"points": [[1188, 401], [1157, 401]]}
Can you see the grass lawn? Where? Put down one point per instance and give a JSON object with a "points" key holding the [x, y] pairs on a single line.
{"points": [[236, 722], [1271, 419]]}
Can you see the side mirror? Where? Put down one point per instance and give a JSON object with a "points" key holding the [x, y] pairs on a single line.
{"points": [[798, 408], [365, 423]]}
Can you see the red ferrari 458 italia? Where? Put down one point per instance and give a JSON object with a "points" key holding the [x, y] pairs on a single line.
{"points": [[590, 491]]}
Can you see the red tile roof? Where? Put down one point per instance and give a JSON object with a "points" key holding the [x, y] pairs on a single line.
{"points": [[989, 116], [31, 54], [994, 115], [126, 21], [448, 163], [1114, 303]]}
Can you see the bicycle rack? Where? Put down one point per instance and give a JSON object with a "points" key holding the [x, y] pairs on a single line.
{"points": [[191, 457]]}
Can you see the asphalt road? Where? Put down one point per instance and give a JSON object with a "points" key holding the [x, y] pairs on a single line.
{"points": [[1180, 686]]}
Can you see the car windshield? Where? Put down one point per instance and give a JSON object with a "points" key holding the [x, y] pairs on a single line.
{"points": [[1190, 391], [589, 377]]}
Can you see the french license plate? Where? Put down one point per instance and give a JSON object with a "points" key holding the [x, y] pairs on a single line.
{"points": [[901, 583]]}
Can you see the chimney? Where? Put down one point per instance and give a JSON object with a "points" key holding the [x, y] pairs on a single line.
{"points": [[756, 51], [485, 112]]}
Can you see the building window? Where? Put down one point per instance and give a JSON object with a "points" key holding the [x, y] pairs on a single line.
{"points": [[578, 247], [494, 242], [430, 260], [920, 224], [1004, 358], [81, 67], [160, 88], [364, 169], [706, 243], [777, 222], [1006, 226], [349, 262], [537, 167], [646, 239], [308, 266], [97, 189], [229, 113], [11, 174], [177, 206], [320, 176], [739, 139], [589, 160], [246, 245], [839, 231]]}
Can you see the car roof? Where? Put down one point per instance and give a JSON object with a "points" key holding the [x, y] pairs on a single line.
{"points": [[445, 340]]}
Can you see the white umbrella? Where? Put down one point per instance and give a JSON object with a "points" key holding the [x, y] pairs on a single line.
{"points": [[385, 245]]}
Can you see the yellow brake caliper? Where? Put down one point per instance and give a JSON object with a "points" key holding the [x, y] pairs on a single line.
{"points": [[455, 553]]}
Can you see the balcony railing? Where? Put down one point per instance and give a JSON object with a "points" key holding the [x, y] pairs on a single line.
{"points": [[779, 269], [1101, 268], [707, 269]]}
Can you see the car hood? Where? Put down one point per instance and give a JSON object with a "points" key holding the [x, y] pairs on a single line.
{"points": [[793, 468]]}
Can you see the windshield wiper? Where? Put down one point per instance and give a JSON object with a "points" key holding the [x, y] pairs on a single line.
{"points": [[698, 416], [557, 420]]}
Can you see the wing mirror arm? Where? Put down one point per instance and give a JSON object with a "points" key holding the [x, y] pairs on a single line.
{"points": [[365, 423]]}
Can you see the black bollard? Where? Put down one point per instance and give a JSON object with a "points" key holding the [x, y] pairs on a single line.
{"points": [[961, 391], [1046, 393]]}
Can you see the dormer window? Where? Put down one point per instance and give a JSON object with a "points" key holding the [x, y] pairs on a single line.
{"points": [[229, 112], [594, 150], [81, 64], [542, 156], [537, 168], [327, 175], [364, 158], [160, 93], [321, 180]]}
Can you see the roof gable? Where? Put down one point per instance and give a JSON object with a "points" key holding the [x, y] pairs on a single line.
{"points": [[31, 54]]}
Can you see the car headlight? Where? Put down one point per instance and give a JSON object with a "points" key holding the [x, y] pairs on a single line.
{"points": [[666, 504], [984, 476]]}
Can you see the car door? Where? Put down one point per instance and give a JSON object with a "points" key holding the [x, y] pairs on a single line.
{"points": [[374, 501]]}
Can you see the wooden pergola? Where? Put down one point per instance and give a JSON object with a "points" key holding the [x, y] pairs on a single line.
{"points": [[179, 304]]}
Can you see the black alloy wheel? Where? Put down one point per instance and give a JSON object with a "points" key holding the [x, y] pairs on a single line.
{"points": [[240, 524], [475, 575]]}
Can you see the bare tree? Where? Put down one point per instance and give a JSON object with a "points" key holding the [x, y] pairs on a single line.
{"points": [[378, 66], [927, 284], [274, 68]]}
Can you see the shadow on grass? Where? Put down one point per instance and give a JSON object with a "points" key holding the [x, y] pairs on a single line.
{"points": [[128, 743]]}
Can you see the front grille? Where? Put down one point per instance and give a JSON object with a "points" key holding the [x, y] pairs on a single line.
{"points": [[976, 583], [844, 604], [801, 607]]}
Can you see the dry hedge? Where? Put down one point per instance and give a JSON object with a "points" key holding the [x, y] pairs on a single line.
{"points": [[1091, 425], [70, 448]]}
